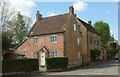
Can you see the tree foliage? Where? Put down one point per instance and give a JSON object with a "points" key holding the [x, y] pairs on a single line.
{"points": [[94, 54], [20, 30], [6, 40], [104, 30]]}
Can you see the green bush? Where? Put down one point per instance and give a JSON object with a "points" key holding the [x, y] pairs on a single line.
{"points": [[56, 63], [94, 54], [20, 65], [113, 45]]}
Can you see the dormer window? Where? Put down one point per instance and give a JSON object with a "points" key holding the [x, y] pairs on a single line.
{"points": [[35, 40], [74, 27]]}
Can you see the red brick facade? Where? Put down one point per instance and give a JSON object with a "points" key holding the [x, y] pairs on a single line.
{"points": [[29, 47]]}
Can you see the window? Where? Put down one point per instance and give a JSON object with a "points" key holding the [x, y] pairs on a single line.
{"points": [[91, 40], [53, 53], [24, 53], [78, 41], [53, 38], [74, 27], [79, 27], [79, 54], [97, 42], [35, 40], [35, 54]]}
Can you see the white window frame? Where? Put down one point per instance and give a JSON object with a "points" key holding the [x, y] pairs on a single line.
{"points": [[24, 53], [53, 38], [74, 27], [35, 40], [78, 41], [79, 54], [35, 54], [52, 53]]}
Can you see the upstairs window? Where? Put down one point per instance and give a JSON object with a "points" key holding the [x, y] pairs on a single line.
{"points": [[78, 41], [98, 42], [35, 40], [91, 40], [53, 38], [74, 27], [79, 27], [53, 53]]}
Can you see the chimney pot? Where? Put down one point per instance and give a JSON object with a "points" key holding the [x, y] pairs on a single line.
{"points": [[89, 22], [38, 16], [71, 10]]}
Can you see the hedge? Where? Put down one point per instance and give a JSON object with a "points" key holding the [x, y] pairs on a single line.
{"points": [[56, 63], [20, 65], [94, 54]]}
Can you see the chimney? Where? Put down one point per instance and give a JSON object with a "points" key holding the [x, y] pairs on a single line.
{"points": [[89, 22], [38, 16], [71, 10]]}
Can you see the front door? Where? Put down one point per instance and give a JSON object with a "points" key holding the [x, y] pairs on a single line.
{"points": [[42, 58]]}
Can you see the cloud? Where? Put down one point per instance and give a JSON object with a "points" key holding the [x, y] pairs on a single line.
{"points": [[51, 14], [110, 30], [80, 6], [23, 6]]}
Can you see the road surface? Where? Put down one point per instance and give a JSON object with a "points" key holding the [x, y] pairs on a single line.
{"points": [[109, 68]]}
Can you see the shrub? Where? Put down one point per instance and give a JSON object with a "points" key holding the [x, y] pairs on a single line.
{"points": [[56, 63], [113, 45], [94, 54], [20, 65]]}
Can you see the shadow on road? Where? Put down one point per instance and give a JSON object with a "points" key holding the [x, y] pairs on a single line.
{"points": [[40, 74]]}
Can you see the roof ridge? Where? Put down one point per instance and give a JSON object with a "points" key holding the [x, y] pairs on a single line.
{"points": [[56, 15], [88, 25]]}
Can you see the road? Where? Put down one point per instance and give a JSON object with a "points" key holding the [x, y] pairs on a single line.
{"points": [[108, 68]]}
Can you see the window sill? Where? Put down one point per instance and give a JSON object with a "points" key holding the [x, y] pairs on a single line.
{"points": [[53, 42]]}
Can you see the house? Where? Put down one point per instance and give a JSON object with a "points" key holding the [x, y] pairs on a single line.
{"points": [[54, 36], [58, 36], [91, 39]]}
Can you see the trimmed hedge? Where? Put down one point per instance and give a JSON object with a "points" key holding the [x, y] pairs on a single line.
{"points": [[20, 65], [56, 63]]}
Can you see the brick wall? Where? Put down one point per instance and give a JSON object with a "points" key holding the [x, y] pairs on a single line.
{"points": [[29, 47]]}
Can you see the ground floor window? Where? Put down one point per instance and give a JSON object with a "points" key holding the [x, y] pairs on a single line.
{"points": [[24, 53], [35, 54], [79, 54], [53, 53]]}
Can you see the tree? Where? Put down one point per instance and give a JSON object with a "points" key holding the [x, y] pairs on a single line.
{"points": [[104, 30], [6, 40], [20, 30], [7, 14]]}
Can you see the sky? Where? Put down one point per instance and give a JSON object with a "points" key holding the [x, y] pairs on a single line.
{"points": [[94, 11]]}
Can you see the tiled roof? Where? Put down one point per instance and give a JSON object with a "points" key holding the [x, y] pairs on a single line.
{"points": [[53, 24], [89, 27]]}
